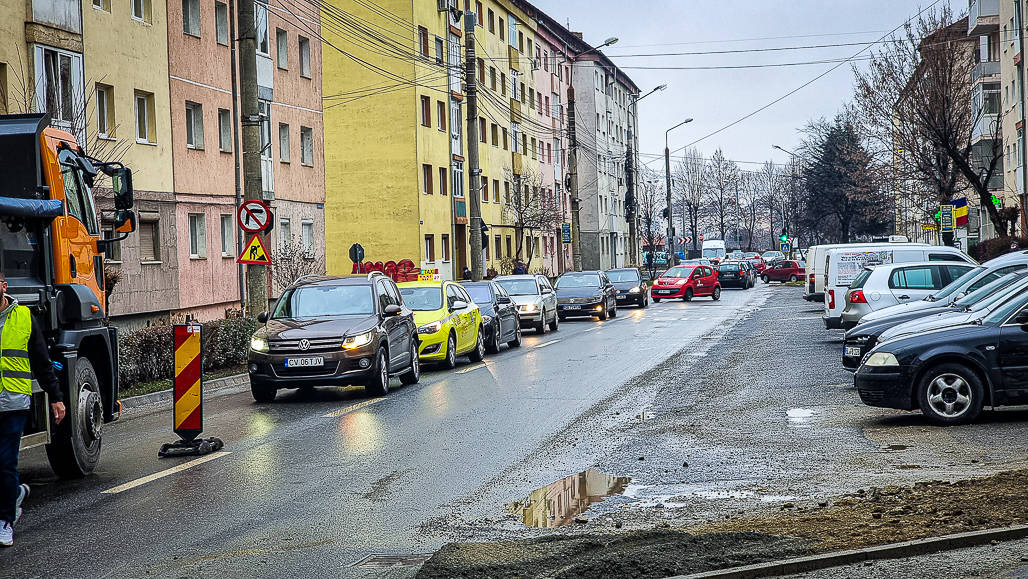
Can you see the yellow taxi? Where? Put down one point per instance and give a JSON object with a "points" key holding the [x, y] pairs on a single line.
{"points": [[449, 322]]}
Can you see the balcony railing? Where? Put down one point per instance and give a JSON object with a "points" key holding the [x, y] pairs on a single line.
{"points": [[987, 126], [985, 68], [983, 16]]}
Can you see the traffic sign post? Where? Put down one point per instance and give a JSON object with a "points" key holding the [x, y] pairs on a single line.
{"points": [[254, 216], [785, 247], [254, 253], [946, 219], [565, 233]]}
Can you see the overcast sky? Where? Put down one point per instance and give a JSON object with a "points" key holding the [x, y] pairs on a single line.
{"points": [[715, 98]]}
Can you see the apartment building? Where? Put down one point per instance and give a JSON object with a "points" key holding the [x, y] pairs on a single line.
{"points": [[1003, 20]]}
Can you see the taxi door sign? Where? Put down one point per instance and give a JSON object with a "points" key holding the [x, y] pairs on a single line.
{"points": [[429, 275], [188, 381], [254, 253]]}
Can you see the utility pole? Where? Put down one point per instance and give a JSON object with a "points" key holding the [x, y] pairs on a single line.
{"points": [[630, 196], [474, 199], [576, 205], [670, 245], [256, 275], [240, 268]]}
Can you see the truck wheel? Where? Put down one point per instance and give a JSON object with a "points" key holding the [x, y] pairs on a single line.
{"points": [[74, 449]]}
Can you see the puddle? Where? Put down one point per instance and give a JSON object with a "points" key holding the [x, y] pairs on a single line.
{"points": [[685, 494], [557, 504], [897, 447], [799, 416]]}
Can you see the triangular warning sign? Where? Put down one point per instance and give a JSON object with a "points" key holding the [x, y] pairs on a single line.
{"points": [[254, 253]]}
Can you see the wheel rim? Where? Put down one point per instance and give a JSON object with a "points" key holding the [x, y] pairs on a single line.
{"points": [[415, 364], [480, 346], [383, 372], [949, 395], [717, 293], [451, 355], [89, 414]]}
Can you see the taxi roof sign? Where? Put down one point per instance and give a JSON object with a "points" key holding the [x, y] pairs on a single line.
{"points": [[254, 253]]}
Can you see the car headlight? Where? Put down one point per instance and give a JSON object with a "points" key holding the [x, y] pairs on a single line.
{"points": [[529, 307], [258, 344], [430, 328], [358, 340], [634, 290], [880, 359]]}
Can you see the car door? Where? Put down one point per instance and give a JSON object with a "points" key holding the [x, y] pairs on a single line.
{"points": [[549, 297], [506, 310], [458, 317], [913, 283], [1012, 357], [469, 314], [393, 325], [706, 280]]}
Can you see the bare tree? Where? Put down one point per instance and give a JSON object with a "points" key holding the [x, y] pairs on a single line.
{"points": [[721, 178], [651, 203], [293, 261], [772, 185], [749, 207], [531, 210], [688, 189]]}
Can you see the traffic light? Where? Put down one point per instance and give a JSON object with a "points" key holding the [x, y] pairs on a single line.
{"points": [[663, 213], [784, 237]]}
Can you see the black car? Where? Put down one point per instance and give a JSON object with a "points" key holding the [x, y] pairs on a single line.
{"points": [[334, 331], [630, 286], [740, 274], [951, 373], [499, 314], [586, 293], [861, 339]]}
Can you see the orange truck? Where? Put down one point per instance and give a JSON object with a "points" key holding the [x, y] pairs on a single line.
{"points": [[52, 254]]}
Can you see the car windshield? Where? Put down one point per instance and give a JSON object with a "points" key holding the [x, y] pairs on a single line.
{"points": [[678, 272], [986, 295], [956, 284], [480, 293], [422, 299], [1012, 305], [713, 252], [626, 275], [325, 302], [861, 279], [752, 254], [519, 287], [578, 280]]}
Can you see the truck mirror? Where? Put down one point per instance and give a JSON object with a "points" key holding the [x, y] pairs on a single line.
{"points": [[124, 221], [121, 183]]}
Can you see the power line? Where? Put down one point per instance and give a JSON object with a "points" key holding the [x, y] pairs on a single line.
{"points": [[744, 50], [742, 66], [725, 41]]}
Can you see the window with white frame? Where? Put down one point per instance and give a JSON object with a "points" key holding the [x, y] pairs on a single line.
{"points": [[104, 111], [285, 232], [282, 48], [306, 146], [307, 238], [146, 129], [224, 131], [191, 17], [260, 15], [60, 91], [227, 243], [283, 142], [197, 236], [104, 5], [194, 125], [142, 10], [305, 57], [221, 23]]}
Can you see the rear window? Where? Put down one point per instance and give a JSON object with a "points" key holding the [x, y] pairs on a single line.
{"points": [[480, 293], [913, 278], [624, 275], [861, 279], [946, 257]]}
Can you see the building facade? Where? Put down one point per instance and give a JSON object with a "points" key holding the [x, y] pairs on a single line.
{"points": [[1002, 21]]}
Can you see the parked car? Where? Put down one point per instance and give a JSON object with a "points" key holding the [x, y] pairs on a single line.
{"points": [[861, 339], [949, 374], [758, 262], [783, 270], [772, 256], [332, 331], [817, 264], [586, 293], [740, 274], [630, 286], [449, 322], [882, 286], [499, 314], [533, 294], [686, 282]]}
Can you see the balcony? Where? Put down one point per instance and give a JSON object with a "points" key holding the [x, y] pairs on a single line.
{"points": [[986, 127], [985, 69], [983, 17]]}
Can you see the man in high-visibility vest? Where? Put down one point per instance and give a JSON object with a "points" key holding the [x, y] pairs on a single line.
{"points": [[23, 354]]}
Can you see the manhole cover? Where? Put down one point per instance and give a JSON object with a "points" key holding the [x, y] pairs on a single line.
{"points": [[379, 561]]}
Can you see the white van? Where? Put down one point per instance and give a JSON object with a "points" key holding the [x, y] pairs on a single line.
{"points": [[814, 290], [714, 249], [844, 264]]}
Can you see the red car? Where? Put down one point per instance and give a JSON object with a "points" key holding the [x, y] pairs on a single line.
{"points": [[686, 282], [784, 271], [758, 263]]}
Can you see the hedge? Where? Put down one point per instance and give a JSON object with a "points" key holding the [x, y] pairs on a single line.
{"points": [[996, 247], [146, 354]]}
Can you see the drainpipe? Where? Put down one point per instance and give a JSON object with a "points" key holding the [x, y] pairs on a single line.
{"points": [[235, 150], [1020, 78]]}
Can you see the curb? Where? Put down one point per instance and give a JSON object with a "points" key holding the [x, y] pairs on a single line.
{"points": [[890, 551], [211, 389]]}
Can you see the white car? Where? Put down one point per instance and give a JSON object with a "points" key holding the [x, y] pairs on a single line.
{"points": [[882, 286], [536, 301]]}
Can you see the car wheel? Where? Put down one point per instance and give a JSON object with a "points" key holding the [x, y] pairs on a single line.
{"points": [[614, 311], [688, 295], [643, 302], [263, 394], [792, 278], [413, 374], [950, 394], [516, 342], [478, 354], [766, 279], [562, 317], [450, 362], [716, 295], [494, 343], [74, 450], [555, 324], [540, 328], [378, 382]]}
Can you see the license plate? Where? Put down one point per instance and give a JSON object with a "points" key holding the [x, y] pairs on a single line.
{"points": [[852, 351], [570, 307], [304, 362], [665, 292]]}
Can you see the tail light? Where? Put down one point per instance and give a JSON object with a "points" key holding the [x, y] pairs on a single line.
{"points": [[811, 278], [831, 299], [856, 297], [741, 272]]}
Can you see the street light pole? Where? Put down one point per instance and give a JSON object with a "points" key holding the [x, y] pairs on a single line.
{"points": [[667, 177], [632, 200], [792, 188]]}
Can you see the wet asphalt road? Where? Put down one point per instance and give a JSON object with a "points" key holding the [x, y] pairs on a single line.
{"points": [[315, 482]]}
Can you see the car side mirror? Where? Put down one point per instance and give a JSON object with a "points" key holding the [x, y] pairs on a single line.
{"points": [[262, 317], [459, 305], [503, 300], [547, 290], [392, 310]]}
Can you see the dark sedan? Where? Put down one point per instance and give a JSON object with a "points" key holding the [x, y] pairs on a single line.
{"points": [[499, 314], [740, 274], [951, 373], [630, 286], [586, 293]]}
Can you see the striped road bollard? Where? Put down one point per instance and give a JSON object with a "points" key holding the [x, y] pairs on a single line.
{"points": [[187, 409]]}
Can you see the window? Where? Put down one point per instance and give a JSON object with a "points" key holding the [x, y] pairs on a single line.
{"points": [[481, 129], [492, 20], [423, 41], [142, 11], [306, 146], [547, 107], [496, 190], [260, 16], [497, 246], [913, 278], [485, 189], [61, 90], [945, 257], [457, 179], [442, 180], [194, 125], [307, 238], [479, 15], [503, 84], [104, 5], [485, 247], [444, 246], [305, 56], [481, 71], [226, 236], [113, 251], [283, 142], [426, 111], [146, 130], [492, 78], [149, 241], [426, 179], [285, 232], [508, 246], [221, 23], [440, 50], [224, 131], [429, 248], [440, 116], [104, 111], [282, 48], [77, 194], [197, 236], [506, 192], [191, 17], [505, 143], [531, 98], [500, 27], [495, 133]]}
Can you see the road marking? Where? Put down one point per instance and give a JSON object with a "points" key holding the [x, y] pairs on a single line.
{"points": [[352, 407], [471, 368], [593, 329], [544, 344], [164, 473]]}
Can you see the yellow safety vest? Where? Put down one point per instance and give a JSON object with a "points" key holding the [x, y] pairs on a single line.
{"points": [[15, 370]]}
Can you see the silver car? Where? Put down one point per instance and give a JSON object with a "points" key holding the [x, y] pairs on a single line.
{"points": [[533, 294], [882, 286]]}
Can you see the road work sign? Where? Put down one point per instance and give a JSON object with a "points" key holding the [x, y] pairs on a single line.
{"points": [[253, 216], [254, 253]]}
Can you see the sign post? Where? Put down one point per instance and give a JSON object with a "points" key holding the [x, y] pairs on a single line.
{"points": [[187, 408], [565, 233], [946, 219]]}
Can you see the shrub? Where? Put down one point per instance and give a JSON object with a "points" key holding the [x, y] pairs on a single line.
{"points": [[990, 248], [147, 354]]}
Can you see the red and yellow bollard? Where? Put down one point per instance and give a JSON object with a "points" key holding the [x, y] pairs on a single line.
{"points": [[187, 408]]}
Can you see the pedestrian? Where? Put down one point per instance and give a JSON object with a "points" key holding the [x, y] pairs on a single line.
{"points": [[23, 357], [1013, 246], [466, 275], [520, 268]]}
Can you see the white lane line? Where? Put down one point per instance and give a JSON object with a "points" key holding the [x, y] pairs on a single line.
{"points": [[544, 344], [352, 407], [592, 329], [158, 475], [471, 368]]}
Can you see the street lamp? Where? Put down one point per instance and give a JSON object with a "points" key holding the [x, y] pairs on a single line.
{"points": [[792, 190], [633, 222], [667, 176]]}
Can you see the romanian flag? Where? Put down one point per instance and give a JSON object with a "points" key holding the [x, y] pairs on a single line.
{"points": [[960, 211]]}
